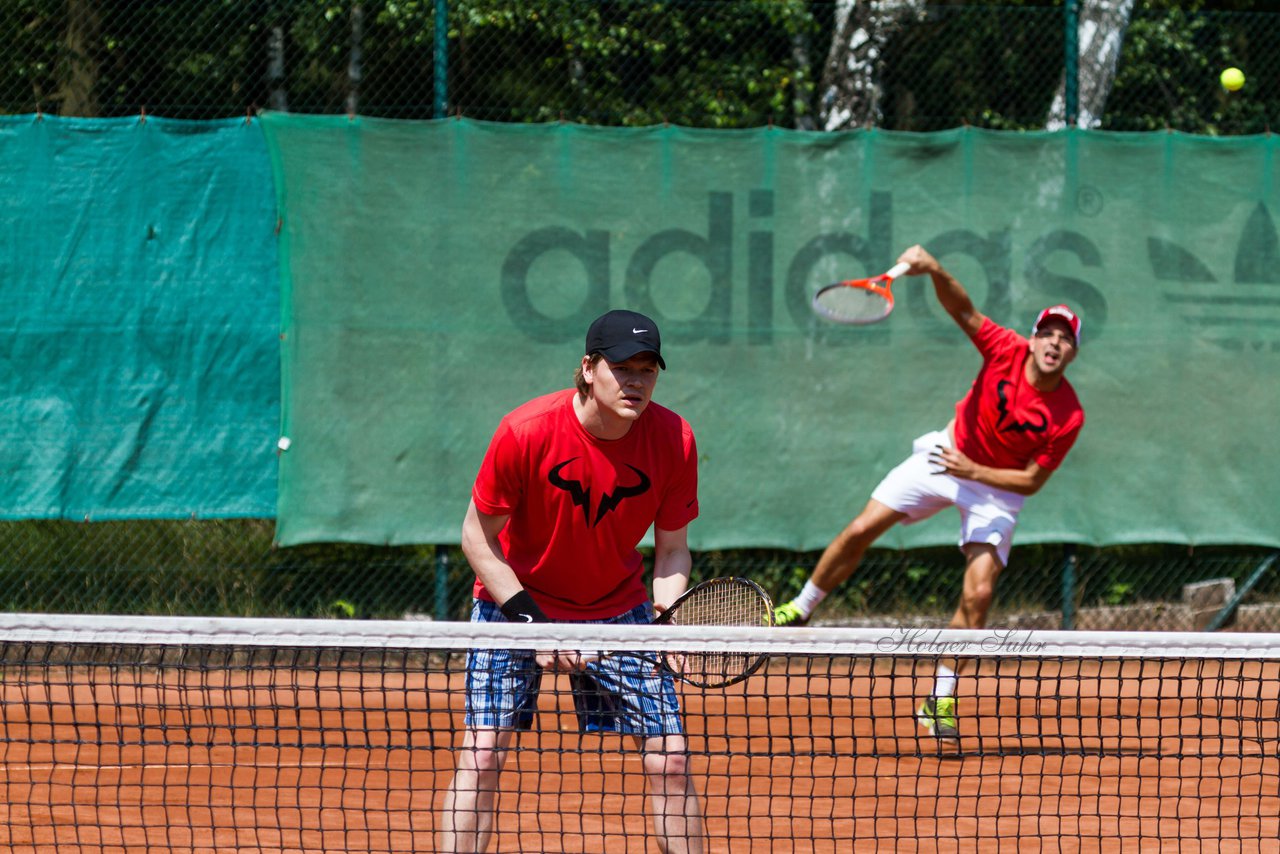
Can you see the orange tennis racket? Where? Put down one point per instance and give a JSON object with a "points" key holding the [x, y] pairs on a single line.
{"points": [[859, 301]]}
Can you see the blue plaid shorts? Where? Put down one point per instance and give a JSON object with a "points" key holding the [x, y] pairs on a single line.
{"points": [[617, 693]]}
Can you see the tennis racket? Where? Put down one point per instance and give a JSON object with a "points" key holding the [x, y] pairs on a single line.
{"points": [[859, 301], [729, 601]]}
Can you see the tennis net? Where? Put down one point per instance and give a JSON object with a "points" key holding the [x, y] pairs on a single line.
{"points": [[203, 734]]}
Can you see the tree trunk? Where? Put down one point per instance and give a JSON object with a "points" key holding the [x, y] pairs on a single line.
{"points": [[77, 89], [850, 87], [1101, 28]]}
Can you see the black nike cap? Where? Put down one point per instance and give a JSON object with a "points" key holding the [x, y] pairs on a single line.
{"points": [[618, 335]]}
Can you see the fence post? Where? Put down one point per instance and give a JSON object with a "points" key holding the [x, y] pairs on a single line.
{"points": [[1220, 619], [279, 98], [1069, 586], [442, 583], [355, 60], [1071, 62], [441, 70]]}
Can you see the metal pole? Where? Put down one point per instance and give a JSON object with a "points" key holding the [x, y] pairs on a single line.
{"points": [[276, 84], [1068, 587], [355, 62], [1071, 64], [442, 583], [1220, 619], [441, 71]]}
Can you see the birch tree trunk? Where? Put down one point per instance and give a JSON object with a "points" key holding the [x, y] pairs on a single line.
{"points": [[1101, 27], [850, 86]]}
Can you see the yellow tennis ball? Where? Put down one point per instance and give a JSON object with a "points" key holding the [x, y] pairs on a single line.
{"points": [[1231, 79]]}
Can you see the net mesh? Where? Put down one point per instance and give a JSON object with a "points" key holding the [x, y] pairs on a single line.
{"points": [[175, 734]]}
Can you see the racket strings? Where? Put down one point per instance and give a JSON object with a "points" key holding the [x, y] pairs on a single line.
{"points": [[728, 604], [724, 605], [851, 304]]}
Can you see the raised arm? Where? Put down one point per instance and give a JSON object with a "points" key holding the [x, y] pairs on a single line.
{"points": [[951, 294]]}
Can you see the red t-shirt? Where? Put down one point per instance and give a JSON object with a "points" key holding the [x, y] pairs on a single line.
{"points": [[579, 505], [1003, 421]]}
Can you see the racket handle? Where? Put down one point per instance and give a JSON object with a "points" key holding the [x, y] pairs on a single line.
{"points": [[898, 269]]}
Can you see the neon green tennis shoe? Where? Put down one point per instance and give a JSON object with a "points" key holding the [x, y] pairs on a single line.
{"points": [[938, 717], [788, 615]]}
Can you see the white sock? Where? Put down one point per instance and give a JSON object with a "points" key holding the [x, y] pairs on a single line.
{"points": [[945, 684], [809, 599]]}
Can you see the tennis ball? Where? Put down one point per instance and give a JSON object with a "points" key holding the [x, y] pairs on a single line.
{"points": [[1231, 79]]}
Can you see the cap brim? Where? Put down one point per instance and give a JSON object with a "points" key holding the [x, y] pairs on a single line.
{"points": [[622, 352], [1075, 336]]}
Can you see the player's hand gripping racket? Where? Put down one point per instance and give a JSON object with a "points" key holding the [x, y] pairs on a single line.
{"points": [[717, 602], [859, 301]]}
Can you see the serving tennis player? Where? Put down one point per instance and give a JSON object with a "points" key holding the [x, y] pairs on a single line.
{"points": [[1010, 433], [570, 484]]}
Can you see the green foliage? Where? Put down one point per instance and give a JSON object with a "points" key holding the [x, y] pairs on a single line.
{"points": [[219, 567], [726, 64], [1168, 73], [703, 63], [995, 67], [30, 30], [229, 567], [342, 609], [1118, 593]]}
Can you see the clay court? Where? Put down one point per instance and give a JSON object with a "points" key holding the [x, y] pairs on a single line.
{"points": [[808, 755]]}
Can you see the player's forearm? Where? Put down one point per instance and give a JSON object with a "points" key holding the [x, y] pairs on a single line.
{"points": [[671, 575], [494, 573], [483, 552], [1019, 481], [952, 296], [671, 565]]}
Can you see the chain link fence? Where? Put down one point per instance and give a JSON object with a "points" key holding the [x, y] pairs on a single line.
{"points": [[230, 567], [900, 64], [897, 64]]}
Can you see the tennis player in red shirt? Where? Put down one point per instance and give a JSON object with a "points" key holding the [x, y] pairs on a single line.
{"points": [[570, 484], [1010, 433]]}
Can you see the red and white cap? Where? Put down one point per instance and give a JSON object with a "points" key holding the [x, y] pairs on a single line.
{"points": [[1063, 312]]}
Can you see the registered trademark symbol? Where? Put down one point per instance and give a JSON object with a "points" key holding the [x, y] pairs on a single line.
{"points": [[1089, 201]]}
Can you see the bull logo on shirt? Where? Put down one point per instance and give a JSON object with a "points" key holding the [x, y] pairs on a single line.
{"points": [[1016, 426], [581, 495]]}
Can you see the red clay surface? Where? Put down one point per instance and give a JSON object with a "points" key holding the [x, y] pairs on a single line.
{"points": [[1079, 757]]}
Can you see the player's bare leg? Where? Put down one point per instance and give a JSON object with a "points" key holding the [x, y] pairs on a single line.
{"points": [[845, 552], [839, 560], [677, 814], [467, 821], [982, 567]]}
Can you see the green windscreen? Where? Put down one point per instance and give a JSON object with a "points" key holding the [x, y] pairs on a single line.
{"points": [[437, 274], [139, 363]]}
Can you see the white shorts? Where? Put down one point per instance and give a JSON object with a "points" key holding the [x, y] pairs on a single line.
{"points": [[987, 515]]}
